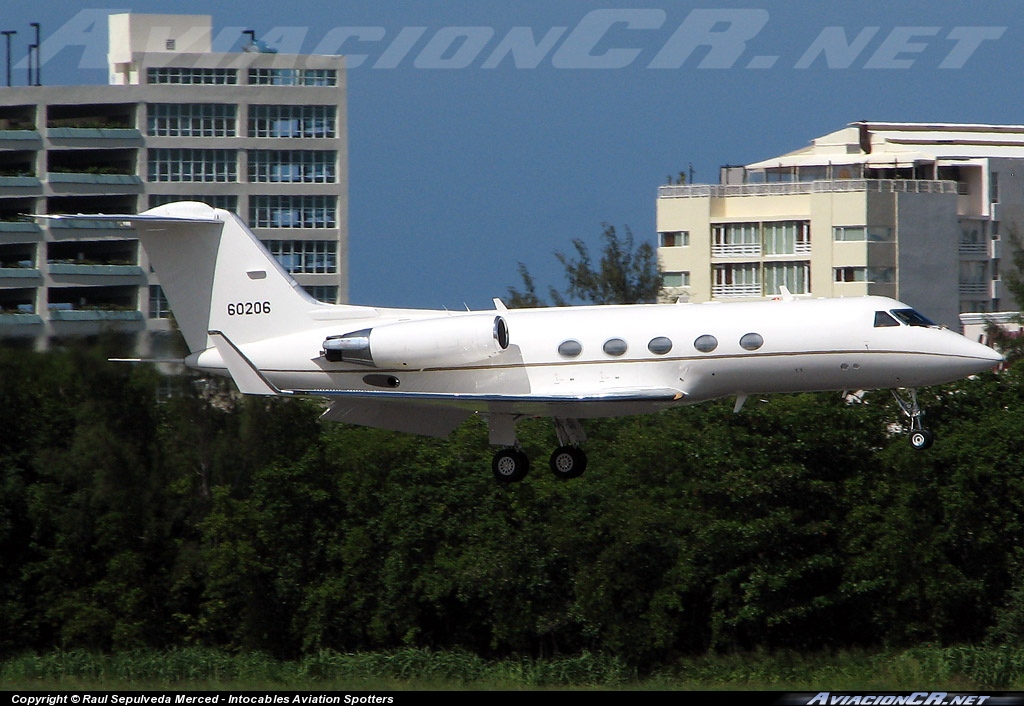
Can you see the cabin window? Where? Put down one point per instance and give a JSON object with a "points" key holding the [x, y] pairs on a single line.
{"points": [[615, 347], [883, 319], [911, 317], [570, 348], [706, 343], [660, 345], [751, 341]]}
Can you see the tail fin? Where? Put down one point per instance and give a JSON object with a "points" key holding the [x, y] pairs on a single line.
{"points": [[217, 276]]}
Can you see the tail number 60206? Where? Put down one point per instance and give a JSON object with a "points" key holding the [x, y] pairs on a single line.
{"points": [[248, 308]]}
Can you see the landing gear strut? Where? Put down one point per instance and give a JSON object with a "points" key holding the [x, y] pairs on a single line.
{"points": [[511, 465], [920, 438]]}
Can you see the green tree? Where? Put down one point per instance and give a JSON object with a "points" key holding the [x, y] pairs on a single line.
{"points": [[626, 273]]}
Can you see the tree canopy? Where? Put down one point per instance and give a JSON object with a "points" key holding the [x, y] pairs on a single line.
{"points": [[626, 273], [134, 516]]}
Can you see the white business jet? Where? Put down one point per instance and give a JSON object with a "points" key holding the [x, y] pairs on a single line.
{"points": [[425, 372]]}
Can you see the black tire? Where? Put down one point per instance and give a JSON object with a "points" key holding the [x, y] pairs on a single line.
{"points": [[510, 465], [921, 439], [568, 462]]}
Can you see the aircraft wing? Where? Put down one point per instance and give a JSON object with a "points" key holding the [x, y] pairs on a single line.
{"points": [[438, 413]]}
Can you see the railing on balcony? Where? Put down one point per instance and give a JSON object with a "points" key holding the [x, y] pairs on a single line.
{"points": [[913, 186], [727, 291], [973, 248], [974, 289], [736, 250]]}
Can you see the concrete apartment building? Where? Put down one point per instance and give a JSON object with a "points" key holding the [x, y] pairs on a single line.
{"points": [[253, 131], [920, 212]]}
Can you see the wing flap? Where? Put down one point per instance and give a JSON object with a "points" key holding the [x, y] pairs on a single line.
{"points": [[611, 403], [394, 415]]}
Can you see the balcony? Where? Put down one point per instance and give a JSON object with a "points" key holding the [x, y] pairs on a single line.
{"points": [[975, 289], [738, 250], [735, 291], [973, 248], [94, 133], [102, 270], [789, 188], [19, 227], [87, 178], [66, 314], [7, 274], [19, 318], [20, 139]]}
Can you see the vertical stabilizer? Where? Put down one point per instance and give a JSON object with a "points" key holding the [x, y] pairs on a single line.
{"points": [[218, 276]]}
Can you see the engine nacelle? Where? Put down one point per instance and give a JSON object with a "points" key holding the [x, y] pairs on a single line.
{"points": [[427, 343]]}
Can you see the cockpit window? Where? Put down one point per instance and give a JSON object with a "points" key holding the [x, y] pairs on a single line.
{"points": [[883, 319], [911, 317]]}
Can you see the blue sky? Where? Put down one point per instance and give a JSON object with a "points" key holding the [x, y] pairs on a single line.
{"points": [[459, 169]]}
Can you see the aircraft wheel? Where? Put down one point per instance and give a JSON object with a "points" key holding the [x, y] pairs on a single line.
{"points": [[568, 462], [921, 439], [510, 465]]}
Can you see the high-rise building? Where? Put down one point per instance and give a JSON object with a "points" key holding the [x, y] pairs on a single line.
{"points": [[254, 131], [925, 213]]}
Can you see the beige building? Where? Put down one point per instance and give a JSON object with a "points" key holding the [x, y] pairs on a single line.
{"points": [[920, 212], [256, 132]]}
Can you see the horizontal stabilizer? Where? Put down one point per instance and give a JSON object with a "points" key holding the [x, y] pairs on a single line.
{"points": [[247, 377]]}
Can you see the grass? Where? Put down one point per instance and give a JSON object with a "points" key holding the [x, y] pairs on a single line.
{"points": [[952, 669]]}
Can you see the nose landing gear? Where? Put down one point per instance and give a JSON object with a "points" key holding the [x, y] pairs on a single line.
{"points": [[920, 438]]}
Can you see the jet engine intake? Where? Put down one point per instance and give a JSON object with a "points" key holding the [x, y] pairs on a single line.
{"points": [[425, 343]]}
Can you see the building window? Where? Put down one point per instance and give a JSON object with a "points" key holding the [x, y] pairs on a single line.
{"points": [[993, 187], [736, 239], [184, 165], [787, 238], [736, 280], [849, 233], [675, 279], [323, 293], [974, 278], [674, 239], [881, 275], [851, 274], [305, 166], [158, 308], [191, 119], [872, 234], [794, 276], [293, 211], [305, 257], [191, 76], [229, 202], [293, 77], [292, 121]]}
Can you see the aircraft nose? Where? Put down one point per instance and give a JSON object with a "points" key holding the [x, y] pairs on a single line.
{"points": [[987, 356]]}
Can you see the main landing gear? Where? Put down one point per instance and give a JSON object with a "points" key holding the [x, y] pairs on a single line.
{"points": [[511, 464], [920, 438]]}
